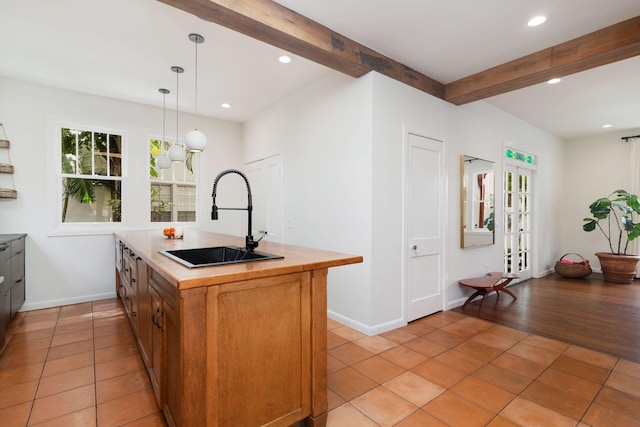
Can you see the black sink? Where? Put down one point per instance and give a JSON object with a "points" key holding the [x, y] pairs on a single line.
{"points": [[218, 255]]}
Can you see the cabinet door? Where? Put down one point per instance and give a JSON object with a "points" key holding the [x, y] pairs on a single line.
{"points": [[157, 345], [144, 311], [263, 340], [5, 307], [5, 286], [17, 296], [172, 374], [164, 366]]}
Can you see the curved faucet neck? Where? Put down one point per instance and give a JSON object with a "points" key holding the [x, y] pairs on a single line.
{"points": [[226, 172], [250, 244]]}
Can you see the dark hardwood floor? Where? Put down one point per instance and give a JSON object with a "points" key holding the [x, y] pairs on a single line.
{"points": [[587, 312]]}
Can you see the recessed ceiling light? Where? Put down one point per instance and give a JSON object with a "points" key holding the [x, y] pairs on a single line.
{"points": [[284, 59], [554, 81], [537, 20], [606, 126], [225, 105]]}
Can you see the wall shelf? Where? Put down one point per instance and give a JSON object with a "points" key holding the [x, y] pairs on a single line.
{"points": [[6, 168]]}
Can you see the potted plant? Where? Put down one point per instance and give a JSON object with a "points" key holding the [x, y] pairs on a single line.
{"points": [[616, 218]]}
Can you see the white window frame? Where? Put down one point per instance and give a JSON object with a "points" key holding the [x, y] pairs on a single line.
{"points": [[175, 183], [55, 189]]}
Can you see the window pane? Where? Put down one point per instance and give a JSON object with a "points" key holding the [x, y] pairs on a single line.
{"points": [[155, 151], [91, 200], [68, 145], [85, 153], [173, 190], [115, 155], [161, 195], [100, 150], [186, 203]]}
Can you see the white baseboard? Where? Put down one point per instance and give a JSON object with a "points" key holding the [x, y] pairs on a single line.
{"points": [[456, 303], [365, 329], [66, 301], [544, 273]]}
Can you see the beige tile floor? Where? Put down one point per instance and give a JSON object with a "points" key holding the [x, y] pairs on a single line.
{"points": [[79, 366]]}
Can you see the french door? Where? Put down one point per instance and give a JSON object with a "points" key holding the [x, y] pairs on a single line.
{"points": [[518, 221]]}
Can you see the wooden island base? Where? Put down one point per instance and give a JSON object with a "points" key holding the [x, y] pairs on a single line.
{"points": [[236, 345]]}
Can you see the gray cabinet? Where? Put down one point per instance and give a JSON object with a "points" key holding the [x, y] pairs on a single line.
{"points": [[17, 275], [12, 272], [5, 288]]}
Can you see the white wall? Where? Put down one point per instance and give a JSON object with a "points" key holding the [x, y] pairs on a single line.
{"points": [[69, 269], [341, 141], [341, 145], [323, 134], [476, 129], [484, 129], [594, 167]]}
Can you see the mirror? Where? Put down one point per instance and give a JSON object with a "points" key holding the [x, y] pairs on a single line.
{"points": [[477, 197]]}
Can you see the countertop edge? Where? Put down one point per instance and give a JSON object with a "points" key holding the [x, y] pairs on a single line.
{"points": [[146, 245]]}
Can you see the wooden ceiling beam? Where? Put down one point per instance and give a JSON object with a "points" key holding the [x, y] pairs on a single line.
{"points": [[610, 44], [276, 25]]}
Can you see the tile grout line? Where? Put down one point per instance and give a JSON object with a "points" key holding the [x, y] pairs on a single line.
{"points": [[35, 393], [95, 367]]}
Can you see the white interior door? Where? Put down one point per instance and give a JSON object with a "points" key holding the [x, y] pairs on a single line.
{"points": [[265, 177], [425, 229], [518, 221]]}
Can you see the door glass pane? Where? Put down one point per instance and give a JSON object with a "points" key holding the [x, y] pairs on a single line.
{"points": [[518, 222]]}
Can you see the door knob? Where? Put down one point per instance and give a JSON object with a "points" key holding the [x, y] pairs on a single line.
{"points": [[414, 247]]}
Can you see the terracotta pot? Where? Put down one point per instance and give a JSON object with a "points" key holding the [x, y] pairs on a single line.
{"points": [[618, 268]]}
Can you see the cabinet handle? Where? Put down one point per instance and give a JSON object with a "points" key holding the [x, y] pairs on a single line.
{"points": [[133, 280], [134, 314], [156, 321]]}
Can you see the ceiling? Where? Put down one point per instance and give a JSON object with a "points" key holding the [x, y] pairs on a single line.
{"points": [[124, 49]]}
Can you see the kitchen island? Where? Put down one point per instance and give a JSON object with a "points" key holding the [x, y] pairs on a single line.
{"points": [[230, 345]]}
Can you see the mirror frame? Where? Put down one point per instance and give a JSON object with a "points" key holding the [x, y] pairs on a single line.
{"points": [[464, 194]]}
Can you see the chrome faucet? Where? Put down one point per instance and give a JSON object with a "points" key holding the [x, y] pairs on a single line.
{"points": [[250, 244]]}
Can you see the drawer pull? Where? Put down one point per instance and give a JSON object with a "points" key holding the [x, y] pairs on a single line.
{"points": [[155, 319]]}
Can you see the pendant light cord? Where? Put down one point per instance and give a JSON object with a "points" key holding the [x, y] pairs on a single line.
{"points": [[164, 122], [196, 86], [177, 109]]}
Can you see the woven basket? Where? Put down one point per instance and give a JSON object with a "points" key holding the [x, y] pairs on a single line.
{"points": [[7, 193], [5, 168], [575, 270]]}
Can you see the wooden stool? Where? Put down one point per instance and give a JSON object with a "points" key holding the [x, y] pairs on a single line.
{"points": [[486, 284]]}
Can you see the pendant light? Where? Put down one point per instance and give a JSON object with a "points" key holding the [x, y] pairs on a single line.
{"points": [[176, 152], [163, 161], [195, 140]]}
